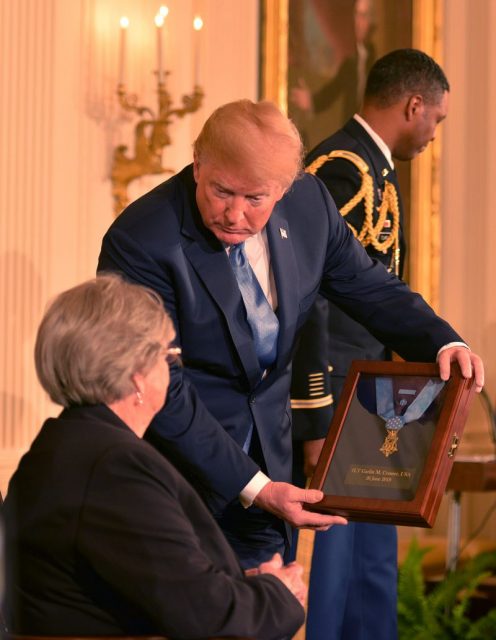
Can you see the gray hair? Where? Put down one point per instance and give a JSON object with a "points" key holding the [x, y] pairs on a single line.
{"points": [[95, 336]]}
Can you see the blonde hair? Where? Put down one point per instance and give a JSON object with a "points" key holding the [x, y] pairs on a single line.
{"points": [[95, 336], [255, 138]]}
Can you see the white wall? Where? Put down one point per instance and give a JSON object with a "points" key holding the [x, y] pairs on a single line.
{"points": [[468, 226], [468, 177], [59, 124]]}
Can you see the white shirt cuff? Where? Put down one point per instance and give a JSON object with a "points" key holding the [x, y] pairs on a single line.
{"points": [[451, 344], [253, 488]]}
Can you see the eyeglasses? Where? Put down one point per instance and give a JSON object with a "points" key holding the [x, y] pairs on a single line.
{"points": [[173, 356]]}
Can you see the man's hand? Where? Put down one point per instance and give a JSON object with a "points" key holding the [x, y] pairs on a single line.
{"points": [[311, 453], [290, 575], [286, 501], [470, 364]]}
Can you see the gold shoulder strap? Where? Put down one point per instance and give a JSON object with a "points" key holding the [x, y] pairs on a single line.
{"points": [[370, 232], [360, 163]]}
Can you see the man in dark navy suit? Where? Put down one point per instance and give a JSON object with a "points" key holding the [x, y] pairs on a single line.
{"points": [[354, 571], [243, 214]]}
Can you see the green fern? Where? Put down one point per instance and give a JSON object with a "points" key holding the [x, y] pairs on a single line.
{"points": [[412, 602], [459, 622], [442, 613], [483, 629]]}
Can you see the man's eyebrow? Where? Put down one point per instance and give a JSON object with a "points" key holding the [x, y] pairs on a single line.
{"points": [[222, 187], [257, 194]]}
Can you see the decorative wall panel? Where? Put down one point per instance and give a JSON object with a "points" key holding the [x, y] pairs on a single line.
{"points": [[59, 125], [26, 200]]}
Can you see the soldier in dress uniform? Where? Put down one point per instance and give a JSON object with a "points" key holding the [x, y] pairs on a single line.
{"points": [[354, 569]]}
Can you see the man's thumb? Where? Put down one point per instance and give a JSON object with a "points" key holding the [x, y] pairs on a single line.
{"points": [[313, 495]]}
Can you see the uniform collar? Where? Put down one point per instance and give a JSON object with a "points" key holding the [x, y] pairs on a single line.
{"points": [[376, 138]]}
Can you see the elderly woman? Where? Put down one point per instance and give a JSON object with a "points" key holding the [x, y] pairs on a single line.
{"points": [[104, 537]]}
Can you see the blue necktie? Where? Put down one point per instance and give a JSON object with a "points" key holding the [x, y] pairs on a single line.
{"points": [[261, 318]]}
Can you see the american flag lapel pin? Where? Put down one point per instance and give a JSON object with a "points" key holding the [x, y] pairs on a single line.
{"points": [[284, 233]]}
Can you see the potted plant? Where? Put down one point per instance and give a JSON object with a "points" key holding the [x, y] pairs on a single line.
{"points": [[442, 613]]}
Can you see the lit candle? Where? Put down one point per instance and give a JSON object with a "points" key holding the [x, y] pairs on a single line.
{"points": [[197, 26], [124, 22], [159, 22]]}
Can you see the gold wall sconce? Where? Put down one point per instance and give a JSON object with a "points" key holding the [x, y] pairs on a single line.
{"points": [[151, 132]]}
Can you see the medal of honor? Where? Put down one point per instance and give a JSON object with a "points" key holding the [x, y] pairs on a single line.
{"points": [[390, 444], [394, 421]]}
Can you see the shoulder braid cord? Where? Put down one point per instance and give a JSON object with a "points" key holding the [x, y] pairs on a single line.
{"points": [[369, 233]]}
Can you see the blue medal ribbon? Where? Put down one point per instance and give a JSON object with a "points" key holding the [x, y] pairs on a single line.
{"points": [[385, 402]]}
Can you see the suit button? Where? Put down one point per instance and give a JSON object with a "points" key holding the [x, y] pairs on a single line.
{"points": [[252, 400]]}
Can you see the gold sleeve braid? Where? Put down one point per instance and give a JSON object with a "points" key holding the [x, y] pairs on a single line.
{"points": [[370, 233], [317, 397]]}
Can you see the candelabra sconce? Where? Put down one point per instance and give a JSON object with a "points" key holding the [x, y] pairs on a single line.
{"points": [[151, 135]]}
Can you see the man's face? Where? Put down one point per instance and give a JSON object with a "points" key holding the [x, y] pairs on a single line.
{"points": [[421, 129], [232, 206]]}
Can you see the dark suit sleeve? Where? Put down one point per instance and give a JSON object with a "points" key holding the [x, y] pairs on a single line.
{"points": [[333, 335], [362, 287], [184, 429], [144, 532]]}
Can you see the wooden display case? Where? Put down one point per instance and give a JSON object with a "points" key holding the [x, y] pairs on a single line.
{"points": [[391, 444]]}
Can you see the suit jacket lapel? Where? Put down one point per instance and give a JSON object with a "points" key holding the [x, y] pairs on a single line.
{"points": [[283, 263], [210, 262]]}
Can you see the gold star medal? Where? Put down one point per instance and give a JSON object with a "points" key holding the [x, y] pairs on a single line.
{"points": [[390, 444]]}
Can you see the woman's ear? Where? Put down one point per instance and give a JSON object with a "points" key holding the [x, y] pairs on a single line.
{"points": [[139, 382]]}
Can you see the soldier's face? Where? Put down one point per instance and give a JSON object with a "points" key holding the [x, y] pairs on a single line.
{"points": [[421, 128]]}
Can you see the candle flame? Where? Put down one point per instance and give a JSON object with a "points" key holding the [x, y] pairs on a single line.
{"points": [[164, 11], [197, 23], [124, 22], [159, 20]]}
